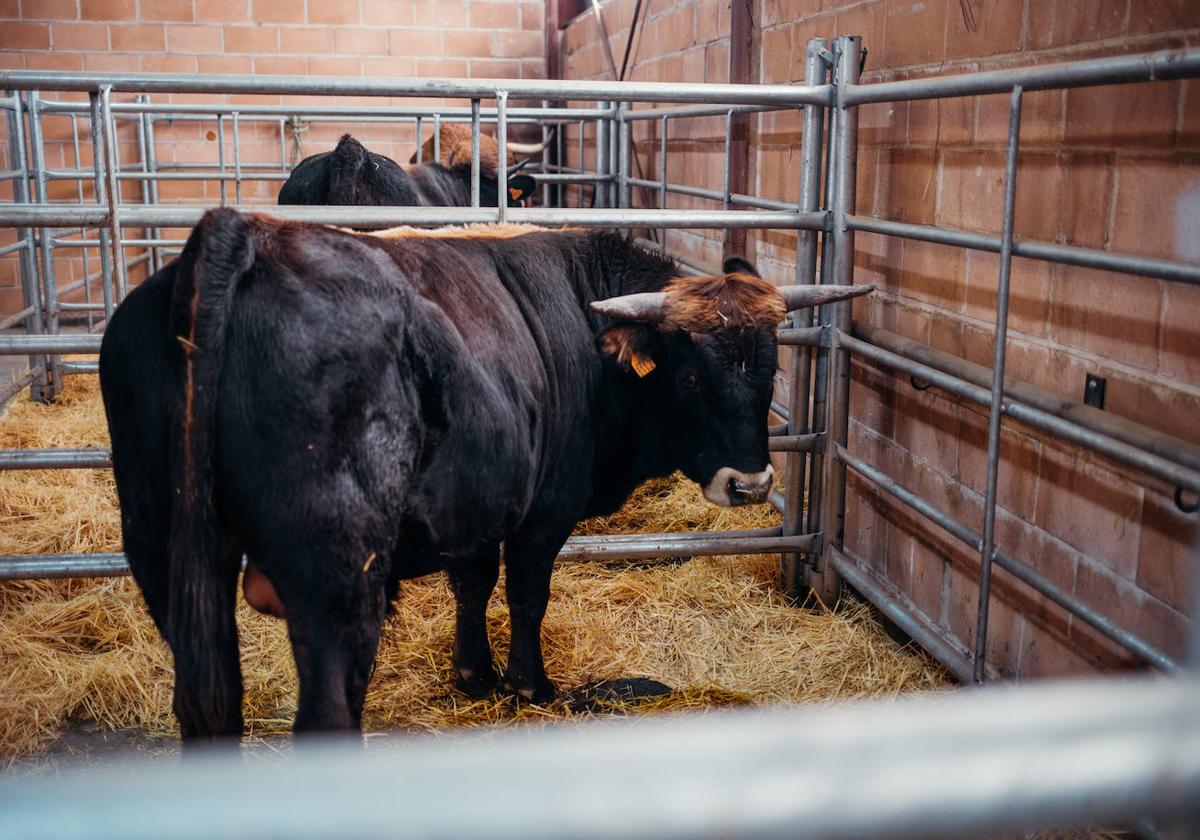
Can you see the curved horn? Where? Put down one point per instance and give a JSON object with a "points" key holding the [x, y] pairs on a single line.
{"points": [[800, 297], [525, 148], [517, 167], [642, 306]]}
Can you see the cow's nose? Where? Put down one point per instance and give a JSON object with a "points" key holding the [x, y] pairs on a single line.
{"points": [[730, 487]]}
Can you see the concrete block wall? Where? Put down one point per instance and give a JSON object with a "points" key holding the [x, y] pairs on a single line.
{"points": [[1115, 168], [401, 38]]}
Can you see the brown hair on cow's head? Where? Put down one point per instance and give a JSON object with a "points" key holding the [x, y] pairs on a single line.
{"points": [[719, 302]]}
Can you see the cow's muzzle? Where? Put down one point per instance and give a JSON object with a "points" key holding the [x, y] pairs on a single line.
{"points": [[730, 487]]}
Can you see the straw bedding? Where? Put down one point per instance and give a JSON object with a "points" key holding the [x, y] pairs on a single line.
{"points": [[716, 630]]}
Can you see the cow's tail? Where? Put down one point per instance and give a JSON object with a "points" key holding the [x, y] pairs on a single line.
{"points": [[202, 586], [347, 160]]}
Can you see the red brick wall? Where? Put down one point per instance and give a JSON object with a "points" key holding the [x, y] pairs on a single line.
{"points": [[1115, 168], [403, 38]]}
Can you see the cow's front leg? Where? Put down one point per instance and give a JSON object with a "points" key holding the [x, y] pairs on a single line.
{"points": [[472, 580], [527, 565]]}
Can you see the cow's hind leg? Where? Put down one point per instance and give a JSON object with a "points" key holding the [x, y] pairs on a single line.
{"points": [[335, 602], [472, 580]]}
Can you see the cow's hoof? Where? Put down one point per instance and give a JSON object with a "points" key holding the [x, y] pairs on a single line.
{"points": [[538, 691], [476, 683]]}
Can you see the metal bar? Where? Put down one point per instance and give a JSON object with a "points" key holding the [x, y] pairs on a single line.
{"points": [[635, 547], [1047, 251], [474, 152], [57, 566], [996, 406], [420, 144], [1140, 67], [272, 113], [825, 579], [50, 291], [16, 318], [989, 763], [31, 291], [12, 247], [716, 195], [679, 112], [622, 161], [151, 161], [502, 163], [106, 268], [894, 604], [802, 335], [662, 188], [40, 345], [437, 137], [582, 164], [1104, 423], [797, 443], [55, 459], [237, 161], [774, 531], [1025, 573], [600, 192], [186, 216], [1067, 430], [221, 156], [728, 147], [112, 164]]}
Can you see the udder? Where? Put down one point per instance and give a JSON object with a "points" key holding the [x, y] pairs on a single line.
{"points": [[259, 592]]}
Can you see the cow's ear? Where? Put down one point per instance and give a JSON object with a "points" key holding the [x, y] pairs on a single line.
{"points": [[635, 348], [520, 187], [740, 265]]}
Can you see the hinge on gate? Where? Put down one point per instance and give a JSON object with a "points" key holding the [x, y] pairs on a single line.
{"points": [[827, 56]]}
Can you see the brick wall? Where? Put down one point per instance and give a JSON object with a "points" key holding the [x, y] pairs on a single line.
{"points": [[1115, 168], [403, 38]]}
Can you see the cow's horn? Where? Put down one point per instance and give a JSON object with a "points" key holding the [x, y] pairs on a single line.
{"points": [[517, 167], [642, 306], [525, 148], [800, 297]]}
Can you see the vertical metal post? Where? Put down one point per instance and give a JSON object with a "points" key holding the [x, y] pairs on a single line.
{"points": [[112, 167], [31, 296], [221, 157], [728, 150], [582, 168], [474, 152], [623, 158], [46, 238], [600, 188], [237, 160], [502, 163], [988, 543], [98, 157], [283, 155], [800, 376], [560, 159], [437, 138], [820, 389], [545, 156], [613, 131], [662, 183], [420, 149], [83, 232], [826, 581], [151, 161]]}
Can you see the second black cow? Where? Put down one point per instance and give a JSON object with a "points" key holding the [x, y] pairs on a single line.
{"points": [[349, 410], [350, 175]]}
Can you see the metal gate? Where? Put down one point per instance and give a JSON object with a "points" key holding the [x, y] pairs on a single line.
{"points": [[814, 402]]}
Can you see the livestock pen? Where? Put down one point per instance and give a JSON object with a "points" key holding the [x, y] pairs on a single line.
{"points": [[814, 399]]}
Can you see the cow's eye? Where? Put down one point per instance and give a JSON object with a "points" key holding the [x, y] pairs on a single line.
{"points": [[691, 381]]}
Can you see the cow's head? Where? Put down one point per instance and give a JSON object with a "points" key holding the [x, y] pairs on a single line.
{"points": [[704, 348]]}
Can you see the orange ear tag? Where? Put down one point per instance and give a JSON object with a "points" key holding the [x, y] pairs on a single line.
{"points": [[514, 192], [642, 365]]}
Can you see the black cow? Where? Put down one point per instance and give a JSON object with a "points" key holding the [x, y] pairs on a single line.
{"points": [[349, 410], [351, 175]]}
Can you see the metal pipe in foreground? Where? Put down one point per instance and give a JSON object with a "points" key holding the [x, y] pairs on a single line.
{"points": [[19, 345], [960, 765], [55, 459]]}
